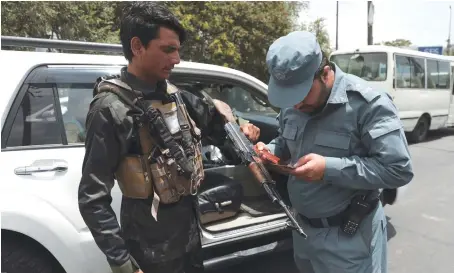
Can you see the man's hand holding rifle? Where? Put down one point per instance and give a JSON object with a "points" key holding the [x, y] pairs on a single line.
{"points": [[255, 159]]}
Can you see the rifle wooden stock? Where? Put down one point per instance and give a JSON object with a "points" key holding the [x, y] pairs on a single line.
{"points": [[244, 149]]}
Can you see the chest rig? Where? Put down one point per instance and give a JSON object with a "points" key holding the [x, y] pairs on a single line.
{"points": [[170, 163]]}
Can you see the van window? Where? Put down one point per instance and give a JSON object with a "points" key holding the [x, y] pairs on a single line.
{"points": [[368, 66], [432, 74], [438, 74], [35, 122], [410, 72]]}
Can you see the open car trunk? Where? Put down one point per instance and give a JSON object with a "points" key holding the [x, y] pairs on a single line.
{"points": [[230, 199]]}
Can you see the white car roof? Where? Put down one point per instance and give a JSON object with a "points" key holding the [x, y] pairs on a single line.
{"points": [[16, 64]]}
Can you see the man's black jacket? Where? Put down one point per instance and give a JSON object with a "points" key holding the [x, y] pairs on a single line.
{"points": [[109, 137]]}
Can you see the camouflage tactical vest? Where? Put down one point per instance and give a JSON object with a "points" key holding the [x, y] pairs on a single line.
{"points": [[155, 172]]}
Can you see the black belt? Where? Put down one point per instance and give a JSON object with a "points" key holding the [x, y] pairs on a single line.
{"points": [[332, 221], [335, 220]]}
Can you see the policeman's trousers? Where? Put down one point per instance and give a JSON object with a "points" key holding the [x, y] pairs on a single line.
{"points": [[329, 250]]}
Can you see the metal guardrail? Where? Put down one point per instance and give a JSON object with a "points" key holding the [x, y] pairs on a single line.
{"points": [[59, 44]]}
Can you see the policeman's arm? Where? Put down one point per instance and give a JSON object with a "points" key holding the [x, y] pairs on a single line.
{"points": [[278, 145], [387, 164], [101, 157]]}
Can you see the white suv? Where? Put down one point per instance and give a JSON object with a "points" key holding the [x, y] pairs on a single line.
{"points": [[45, 98]]}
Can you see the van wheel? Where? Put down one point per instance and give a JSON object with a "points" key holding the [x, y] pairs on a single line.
{"points": [[421, 130], [21, 255]]}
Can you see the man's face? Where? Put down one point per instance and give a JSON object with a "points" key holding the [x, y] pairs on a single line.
{"points": [[157, 60], [320, 90], [315, 98]]}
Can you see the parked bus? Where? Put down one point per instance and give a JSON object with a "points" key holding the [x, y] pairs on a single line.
{"points": [[420, 83]]}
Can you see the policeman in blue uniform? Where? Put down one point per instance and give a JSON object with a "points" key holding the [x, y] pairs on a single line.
{"points": [[347, 142]]}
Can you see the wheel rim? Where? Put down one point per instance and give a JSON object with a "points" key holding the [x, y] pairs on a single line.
{"points": [[422, 128]]}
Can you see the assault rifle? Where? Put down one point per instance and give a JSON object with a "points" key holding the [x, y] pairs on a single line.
{"points": [[244, 149]]}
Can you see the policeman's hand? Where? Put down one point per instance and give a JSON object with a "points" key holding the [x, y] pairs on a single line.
{"points": [[310, 167], [250, 131]]}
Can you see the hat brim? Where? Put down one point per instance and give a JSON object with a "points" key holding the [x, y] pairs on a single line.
{"points": [[284, 96]]}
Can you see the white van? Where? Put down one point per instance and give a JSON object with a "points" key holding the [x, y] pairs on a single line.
{"points": [[419, 83]]}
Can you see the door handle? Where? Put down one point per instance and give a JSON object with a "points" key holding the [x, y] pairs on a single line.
{"points": [[40, 166]]}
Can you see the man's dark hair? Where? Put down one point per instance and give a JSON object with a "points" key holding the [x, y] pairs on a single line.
{"points": [[143, 20]]}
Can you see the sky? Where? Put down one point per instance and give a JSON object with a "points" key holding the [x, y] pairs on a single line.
{"points": [[424, 23]]}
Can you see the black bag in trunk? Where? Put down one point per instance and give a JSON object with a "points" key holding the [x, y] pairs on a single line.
{"points": [[219, 198]]}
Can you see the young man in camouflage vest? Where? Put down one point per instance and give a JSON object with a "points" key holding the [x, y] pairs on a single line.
{"points": [[159, 231]]}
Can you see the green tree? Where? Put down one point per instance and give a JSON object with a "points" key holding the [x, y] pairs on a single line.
{"points": [[233, 34], [318, 27], [82, 21], [398, 43]]}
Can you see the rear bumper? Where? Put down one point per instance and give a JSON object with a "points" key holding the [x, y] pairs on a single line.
{"points": [[244, 255]]}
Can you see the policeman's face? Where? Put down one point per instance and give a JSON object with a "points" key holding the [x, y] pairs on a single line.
{"points": [[317, 96], [157, 60]]}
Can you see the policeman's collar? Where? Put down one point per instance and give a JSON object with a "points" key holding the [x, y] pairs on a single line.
{"points": [[338, 92], [149, 91]]}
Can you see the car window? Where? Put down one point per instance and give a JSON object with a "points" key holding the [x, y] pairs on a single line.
{"points": [[237, 97], [54, 107], [35, 122], [75, 101]]}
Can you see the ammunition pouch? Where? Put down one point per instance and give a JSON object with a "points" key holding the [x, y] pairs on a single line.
{"points": [[165, 169], [133, 176]]}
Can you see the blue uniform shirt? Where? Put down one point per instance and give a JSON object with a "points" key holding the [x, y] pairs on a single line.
{"points": [[360, 135]]}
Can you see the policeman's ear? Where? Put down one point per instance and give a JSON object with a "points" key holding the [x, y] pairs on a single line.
{"points": [[325, 74], [137, 47]]}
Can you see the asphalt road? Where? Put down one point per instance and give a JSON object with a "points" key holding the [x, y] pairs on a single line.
{"points": [[420, 227]]}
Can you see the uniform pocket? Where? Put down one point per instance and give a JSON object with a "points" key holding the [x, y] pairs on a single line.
{"points": [[331, 143], [290, 131], [163, 184], [289, 134], [133, 179]]}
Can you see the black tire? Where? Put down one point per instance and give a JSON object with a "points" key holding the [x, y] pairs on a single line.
{"points": [[21, 255], [421, 130]]}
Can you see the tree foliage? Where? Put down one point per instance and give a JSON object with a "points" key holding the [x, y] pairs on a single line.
{"points": [[398, 43], [318, 27], [234, 34], [82, 21]]}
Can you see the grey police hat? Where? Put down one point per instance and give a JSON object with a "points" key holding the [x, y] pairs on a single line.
{"points": [[292, 61]]}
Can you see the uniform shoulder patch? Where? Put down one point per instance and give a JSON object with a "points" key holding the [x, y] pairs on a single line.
{"points": [[367, 92]]}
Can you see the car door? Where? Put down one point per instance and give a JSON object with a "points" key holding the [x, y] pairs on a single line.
{"points": [[249, 103], [43, 136]]}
